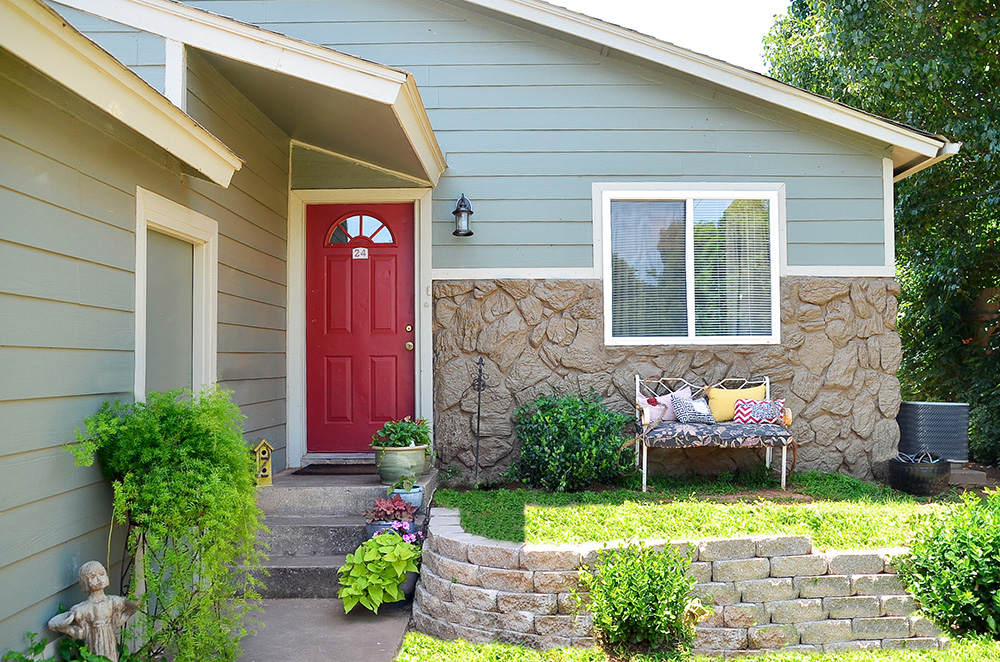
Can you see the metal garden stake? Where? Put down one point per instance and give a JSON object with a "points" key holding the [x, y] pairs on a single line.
{"points": [[479, 385]]}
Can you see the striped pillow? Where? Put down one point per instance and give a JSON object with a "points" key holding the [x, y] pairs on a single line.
{"points": [[759, 411]]}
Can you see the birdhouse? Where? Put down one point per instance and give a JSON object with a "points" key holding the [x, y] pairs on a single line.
{"points": [[263, 452]]}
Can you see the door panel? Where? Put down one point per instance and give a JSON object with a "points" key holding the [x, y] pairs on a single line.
{"points": [[359, 301]]}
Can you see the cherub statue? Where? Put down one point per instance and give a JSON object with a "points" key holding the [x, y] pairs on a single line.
{"points": [[98, 619]]}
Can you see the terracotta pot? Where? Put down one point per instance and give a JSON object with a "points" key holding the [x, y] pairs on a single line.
{"points": [[394, 463]]}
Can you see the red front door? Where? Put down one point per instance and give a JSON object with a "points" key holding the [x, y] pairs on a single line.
{"points": [[359, 323]]}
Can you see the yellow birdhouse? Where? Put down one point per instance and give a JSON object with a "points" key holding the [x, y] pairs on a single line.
{"points": [[263, 452]]}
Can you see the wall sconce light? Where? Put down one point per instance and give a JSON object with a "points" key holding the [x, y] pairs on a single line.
{"points": [[463, 210]]}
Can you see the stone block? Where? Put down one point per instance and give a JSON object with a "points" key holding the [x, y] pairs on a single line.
{"points": [[807, 565], [556, 582], [773, 636], [536, 603], [714, 619], [473, 635], [922, 627], [877, 585], [474, 618], [450, 570], [825, 586], [773, 546], [700, 571], [716, 593], [740, 569], [796, 611], [431, 605], [518, 621], [889, 554], [724, 550], [885, 627], [720, 638], [518, 638], [452, 546], [898, 605], [848, 646], [824, 632], [507, 580], [434, 585], [855, 606], [433, 626], [474, 597], [742, 615], [802, 648], [565, 626], [550, 557], [855, 563], [767, 590], [495, 554], [911, 643], [568, 604]]}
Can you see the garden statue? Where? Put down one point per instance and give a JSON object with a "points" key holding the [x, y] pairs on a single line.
{"points": [[98, 619]]}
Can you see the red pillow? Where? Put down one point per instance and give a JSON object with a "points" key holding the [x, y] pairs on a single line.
{"points": [[759, 411]]}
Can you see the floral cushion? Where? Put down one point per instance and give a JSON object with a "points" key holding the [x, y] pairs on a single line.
{"points": [[723, 435], [692, 411]]}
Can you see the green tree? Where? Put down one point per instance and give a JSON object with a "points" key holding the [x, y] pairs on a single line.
{"points": [[933, 65]]}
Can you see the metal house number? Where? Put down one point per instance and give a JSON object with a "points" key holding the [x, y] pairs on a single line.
{"points": [[359, 254]]}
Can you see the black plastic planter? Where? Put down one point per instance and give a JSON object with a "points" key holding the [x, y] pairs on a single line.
{"points": [[920, 478]]}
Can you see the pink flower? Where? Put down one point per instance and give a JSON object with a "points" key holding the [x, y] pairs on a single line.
{"points": [[409, 537]]}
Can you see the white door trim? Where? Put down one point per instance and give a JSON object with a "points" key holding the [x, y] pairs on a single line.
{"points": [[154, 212], [296, 311]]}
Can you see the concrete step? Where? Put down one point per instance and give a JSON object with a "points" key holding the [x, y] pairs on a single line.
{"points": [[969, 477], [313, 536], [302, 576], [326, 496]]}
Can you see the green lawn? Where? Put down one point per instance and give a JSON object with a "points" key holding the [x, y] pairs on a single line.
{"points": [[845, 513], [421, 648]]}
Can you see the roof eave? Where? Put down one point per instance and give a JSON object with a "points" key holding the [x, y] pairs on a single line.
{"points": [[948, 149]]}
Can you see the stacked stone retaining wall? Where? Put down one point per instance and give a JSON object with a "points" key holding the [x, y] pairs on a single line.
{"points": [[768, 592]]}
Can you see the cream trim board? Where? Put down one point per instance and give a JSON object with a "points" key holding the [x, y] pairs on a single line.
{"points": [[489, 273], [296, 334], [155, 212], [841, 272], [889, 214], [360, 162], [175, 73]]}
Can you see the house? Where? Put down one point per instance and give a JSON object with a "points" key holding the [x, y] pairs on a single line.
{"points": [[294, 166]]}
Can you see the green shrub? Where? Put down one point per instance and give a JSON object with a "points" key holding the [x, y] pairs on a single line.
{"points": [[641, 597], [569, 442], [953, 567]]}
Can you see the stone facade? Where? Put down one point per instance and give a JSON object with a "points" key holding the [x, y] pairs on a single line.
{"points": [[767, 592], [836, 368]]}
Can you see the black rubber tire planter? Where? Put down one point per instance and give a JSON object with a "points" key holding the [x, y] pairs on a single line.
{"points": [[920, 478]]}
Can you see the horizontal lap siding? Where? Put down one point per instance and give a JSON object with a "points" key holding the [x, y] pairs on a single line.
{"points": [[528, 123]]}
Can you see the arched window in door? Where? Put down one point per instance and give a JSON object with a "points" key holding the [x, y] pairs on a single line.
{"points": [[359, 228]]}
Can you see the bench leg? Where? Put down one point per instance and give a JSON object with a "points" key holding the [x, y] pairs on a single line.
{"points": [[784, 454], [767, 457], [644, 451]]}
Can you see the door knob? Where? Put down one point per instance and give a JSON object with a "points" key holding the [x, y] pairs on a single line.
{"points": [[408, 346]]}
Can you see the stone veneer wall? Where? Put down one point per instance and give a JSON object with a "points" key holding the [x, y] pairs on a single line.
{"points": [[836, 368], [768, 592]]}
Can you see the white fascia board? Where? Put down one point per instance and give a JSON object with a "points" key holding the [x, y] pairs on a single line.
{"points": [[947, 150], [43, 39], [715, 71], [409, 110]]}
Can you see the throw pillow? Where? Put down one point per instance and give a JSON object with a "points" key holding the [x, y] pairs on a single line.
{"points": [[759, 411], [723, 400], [692, 411], [651, 412]]}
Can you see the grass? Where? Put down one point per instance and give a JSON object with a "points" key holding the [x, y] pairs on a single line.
{"points": [[422, 648], [845, 513]]}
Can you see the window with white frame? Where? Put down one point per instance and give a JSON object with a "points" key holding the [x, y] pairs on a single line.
{"points": [[692, 265]]}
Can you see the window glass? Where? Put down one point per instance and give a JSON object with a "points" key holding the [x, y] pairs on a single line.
{"points": [[360, 226]]}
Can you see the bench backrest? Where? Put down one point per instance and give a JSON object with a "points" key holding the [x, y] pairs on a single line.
{"points": [[652, 387]]}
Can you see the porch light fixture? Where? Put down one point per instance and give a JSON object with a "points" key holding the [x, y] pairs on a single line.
{"points": [[463, 210]]}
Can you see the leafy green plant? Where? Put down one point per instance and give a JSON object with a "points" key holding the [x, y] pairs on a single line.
{"points": [[391, 509], [953, 567], [405, 483], [375, 571], [403, 433], [569, 442], [641, 597], [67, 650], [184, 485]]}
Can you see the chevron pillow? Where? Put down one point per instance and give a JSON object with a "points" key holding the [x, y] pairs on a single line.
{"points": [[692, 411], [759, 411]]}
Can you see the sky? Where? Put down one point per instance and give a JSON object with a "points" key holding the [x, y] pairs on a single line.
{"points": [[729, 30]]}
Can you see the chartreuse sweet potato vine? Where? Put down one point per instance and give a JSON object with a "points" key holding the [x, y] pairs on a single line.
{"points": [[184, 486]]}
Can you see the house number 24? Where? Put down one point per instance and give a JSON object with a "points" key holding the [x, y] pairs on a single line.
{"points": [[359, 254]]}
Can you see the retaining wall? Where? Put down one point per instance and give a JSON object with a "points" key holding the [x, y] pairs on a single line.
{"points": [[768, 592]]}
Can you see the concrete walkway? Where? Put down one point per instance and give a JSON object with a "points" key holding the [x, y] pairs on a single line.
{"points": [[318, 630]]}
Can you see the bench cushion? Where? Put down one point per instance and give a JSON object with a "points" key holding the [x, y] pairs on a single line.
{"points": [[724, 435]]}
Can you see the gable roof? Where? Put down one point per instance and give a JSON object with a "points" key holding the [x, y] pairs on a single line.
{"points": [[913, 149], [37, 35]]}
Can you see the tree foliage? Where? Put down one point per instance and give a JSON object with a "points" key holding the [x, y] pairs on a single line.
{"points": [[933, 65]]}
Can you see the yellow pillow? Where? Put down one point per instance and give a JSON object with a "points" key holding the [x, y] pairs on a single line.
{"points": [[722, 401]]}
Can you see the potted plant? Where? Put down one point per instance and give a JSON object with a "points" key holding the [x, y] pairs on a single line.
{"points": [[399, 448], [382, 570], [387, 513], [407, 490]]}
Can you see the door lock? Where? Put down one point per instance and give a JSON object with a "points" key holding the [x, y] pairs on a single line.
{"points": [[409, 327], [408, 346]]}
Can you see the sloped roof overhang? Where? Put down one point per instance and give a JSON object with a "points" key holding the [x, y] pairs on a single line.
{"points": [[346, 105]]}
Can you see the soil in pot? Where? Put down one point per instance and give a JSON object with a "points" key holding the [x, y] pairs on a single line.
{"points": [[919, 478]]}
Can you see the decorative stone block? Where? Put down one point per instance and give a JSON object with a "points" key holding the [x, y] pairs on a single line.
{"points": [[898, 605], [431, 605], [743, 615], [507, 580], [877, 585], [824, 632], [796, 611], [857, 606], [700, 571], [798, 566], [556, 582], [772, 636], [889, 554], [886, 627], [847, 646], [714, 619], [495, 554], [550, 557], [518, 621], [434, 585], [536, 603], [802, 648], [784, 546], [720, 638], [449, 570], [855, 563], [432, 626], [565, 626], [921, 627], [568, 604], [911, 643], [724, 550], [473, 635], [740, 569], [474, 618], [825, 586], [452, 546], [716, 593], [474, 597], [767, 590]]}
